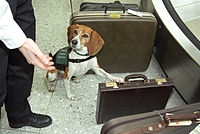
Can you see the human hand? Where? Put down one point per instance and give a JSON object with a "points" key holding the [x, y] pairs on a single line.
{"points": [[34, 56]]}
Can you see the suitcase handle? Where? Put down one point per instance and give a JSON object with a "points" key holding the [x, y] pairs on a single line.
{"points": [[134, 76], [117, 6]]}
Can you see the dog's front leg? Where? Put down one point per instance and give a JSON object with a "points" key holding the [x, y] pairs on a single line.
{"points": [[50, 80], [99, 71], [70, 96]]}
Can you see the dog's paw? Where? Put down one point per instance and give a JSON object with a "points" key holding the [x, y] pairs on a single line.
{"points": [[50, 85], [118, 80], [71, 97], [51, 89], [75, 79]]}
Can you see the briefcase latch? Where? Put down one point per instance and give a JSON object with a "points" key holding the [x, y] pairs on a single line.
{"points": [[160, 81], [112, 84]]}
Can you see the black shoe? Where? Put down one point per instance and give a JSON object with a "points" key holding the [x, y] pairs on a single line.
{"points": [[34, 120]]}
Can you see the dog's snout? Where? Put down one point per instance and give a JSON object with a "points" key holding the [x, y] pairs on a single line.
{"points": [[74, 42]]}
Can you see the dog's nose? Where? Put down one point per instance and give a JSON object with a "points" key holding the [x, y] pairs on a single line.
{"points": [[74, 42]]}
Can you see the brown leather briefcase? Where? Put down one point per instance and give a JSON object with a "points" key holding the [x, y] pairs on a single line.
{"points": [[178, 120], [133, 97]]}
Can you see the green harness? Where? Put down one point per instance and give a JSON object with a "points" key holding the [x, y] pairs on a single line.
{"points": [[61, 58]]}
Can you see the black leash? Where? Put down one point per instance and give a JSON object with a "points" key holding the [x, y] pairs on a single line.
{"points": [[71, 8]]}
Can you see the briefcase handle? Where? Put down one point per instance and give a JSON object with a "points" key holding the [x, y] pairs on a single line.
{"points": [[134, 76]]}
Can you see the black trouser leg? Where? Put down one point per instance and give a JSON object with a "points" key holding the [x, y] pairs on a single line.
{"points": [[20, 73], [19, 82], [3, 73]]}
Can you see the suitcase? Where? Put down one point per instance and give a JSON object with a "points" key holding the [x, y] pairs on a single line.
{"points": [[129, 37], [116, 6], [150, 122], [133, 97]]}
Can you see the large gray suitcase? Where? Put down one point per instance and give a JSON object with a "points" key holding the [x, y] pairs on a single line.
{"points": [[129, 39]]}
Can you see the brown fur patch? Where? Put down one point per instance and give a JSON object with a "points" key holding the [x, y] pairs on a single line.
{"points": [[95, 44], [65, 74], [52, 71]]}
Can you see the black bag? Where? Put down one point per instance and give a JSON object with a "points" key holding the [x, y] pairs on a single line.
{"points": [[149, 123], [116, 6], [133, 97]]}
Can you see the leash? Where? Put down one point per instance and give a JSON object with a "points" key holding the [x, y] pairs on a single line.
{"points": [[71, 8]]}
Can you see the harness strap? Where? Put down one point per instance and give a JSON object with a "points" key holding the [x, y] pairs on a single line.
{"points": [[81, 54], [80, 60], [61, 58]]}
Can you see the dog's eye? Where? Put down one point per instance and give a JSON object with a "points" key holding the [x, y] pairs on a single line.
{"points": [[76, 31], [85, 36]]}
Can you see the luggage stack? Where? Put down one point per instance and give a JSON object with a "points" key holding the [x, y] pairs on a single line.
{"points": [[129, 36]]}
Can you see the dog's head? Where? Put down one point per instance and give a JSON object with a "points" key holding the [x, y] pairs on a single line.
{"points": [[80, 36]]}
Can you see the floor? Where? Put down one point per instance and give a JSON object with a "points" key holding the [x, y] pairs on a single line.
{"points": [[189, 12], [69, 117]]}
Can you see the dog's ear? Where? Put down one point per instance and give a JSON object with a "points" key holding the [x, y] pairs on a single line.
{"points": [[95, 44], [70, 31]]}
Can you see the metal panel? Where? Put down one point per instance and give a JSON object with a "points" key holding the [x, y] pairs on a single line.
{"points": [[176, 32], [178, 56], [179, 66]]}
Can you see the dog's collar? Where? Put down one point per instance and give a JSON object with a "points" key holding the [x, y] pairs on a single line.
{"points": [[80, 60], [81, 54]]}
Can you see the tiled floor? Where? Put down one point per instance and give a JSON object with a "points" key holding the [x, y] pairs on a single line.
{"points": [[189, 12], [69, 117]]}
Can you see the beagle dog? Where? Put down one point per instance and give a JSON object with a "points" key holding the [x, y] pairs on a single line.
{"points": [[84, 44]]}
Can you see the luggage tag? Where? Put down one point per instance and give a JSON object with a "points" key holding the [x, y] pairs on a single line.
{"points": [[139, 14], [177, 123]]}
